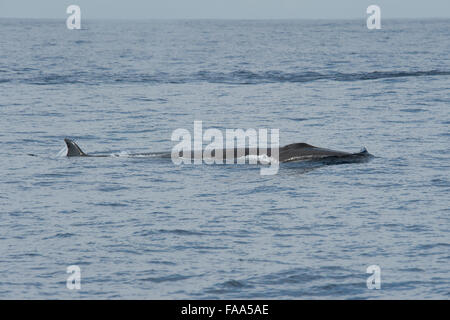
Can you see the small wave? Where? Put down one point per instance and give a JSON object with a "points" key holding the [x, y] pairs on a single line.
{"points": [[82, 42], [111, 204], [56, 79], [60, 235], [248, 77], [233, 284], [168, 278], [182, 232], [433, 246], [412, 110], [233, 77]]}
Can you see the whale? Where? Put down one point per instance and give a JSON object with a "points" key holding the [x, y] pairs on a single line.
{"points": [[289, 153]]}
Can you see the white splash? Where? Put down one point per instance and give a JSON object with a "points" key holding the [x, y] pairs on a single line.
{"points": [[123, 154], [261, 159]]}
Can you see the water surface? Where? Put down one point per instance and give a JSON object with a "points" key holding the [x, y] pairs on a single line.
{"points": [[144, 228]]}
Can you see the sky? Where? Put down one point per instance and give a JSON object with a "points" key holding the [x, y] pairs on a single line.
{"points": [[225, 9]]}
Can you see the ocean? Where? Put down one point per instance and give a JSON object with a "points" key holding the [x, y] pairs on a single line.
{"points": [[144, 228]]}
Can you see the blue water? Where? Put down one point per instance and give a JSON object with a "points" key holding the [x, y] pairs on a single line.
{"points": [[145, 228]]}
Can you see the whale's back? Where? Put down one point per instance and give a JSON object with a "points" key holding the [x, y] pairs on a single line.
{"points": [[304, 151]]}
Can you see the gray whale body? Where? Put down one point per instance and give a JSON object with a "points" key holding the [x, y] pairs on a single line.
{"points": [[289, 153]]}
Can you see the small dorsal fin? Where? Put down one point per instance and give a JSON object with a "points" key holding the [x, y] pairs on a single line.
{"points": [[73, 150]]}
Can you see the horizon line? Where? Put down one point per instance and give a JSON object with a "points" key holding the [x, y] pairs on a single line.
{"points": [[224, 19]]}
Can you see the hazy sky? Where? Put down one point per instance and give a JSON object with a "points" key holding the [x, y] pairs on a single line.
{"points": [[224, 9]]}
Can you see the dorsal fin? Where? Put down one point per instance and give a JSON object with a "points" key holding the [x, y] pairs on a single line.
{"points": [[73, 150], [298, 145]]}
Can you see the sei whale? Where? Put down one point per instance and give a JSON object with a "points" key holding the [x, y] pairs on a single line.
{"points": [[289, 153]]}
